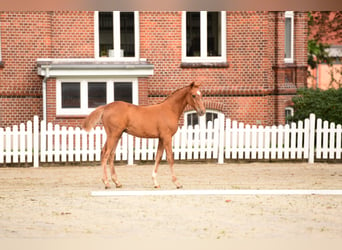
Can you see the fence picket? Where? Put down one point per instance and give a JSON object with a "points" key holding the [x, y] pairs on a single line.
{"points": [[22, 142], [15, 148], [274, 142], [325, 139], [189, 143], [247, 134], [319, 139], [241, 137], [332, 141], [234, 136], [299, 144], [64, 151], [137, 148], [228, 138], [338, 141], [280, 141], [8, 135], [267, 142], [29, 142], [196, 142], [293, 140], [202, 137], [260, 142]]}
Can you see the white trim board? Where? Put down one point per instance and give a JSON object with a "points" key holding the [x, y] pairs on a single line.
{"points": [[217, 192]]}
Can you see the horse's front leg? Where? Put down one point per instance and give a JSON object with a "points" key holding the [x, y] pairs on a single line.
{"points": [[169, 156], [156, 165]]}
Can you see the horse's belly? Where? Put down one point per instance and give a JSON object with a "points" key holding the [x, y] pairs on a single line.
{"points": [[142, 132]]}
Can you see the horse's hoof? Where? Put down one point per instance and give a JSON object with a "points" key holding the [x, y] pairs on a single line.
{"points": [[106, 183], [179, 187], [156, 187], [118, 186]]}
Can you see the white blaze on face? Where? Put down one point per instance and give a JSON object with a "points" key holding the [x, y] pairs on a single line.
{"points": [[198, 92]]}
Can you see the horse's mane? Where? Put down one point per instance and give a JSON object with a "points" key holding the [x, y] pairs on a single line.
{"points": [[174, 92]]}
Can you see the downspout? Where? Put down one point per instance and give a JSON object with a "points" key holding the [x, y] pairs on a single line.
{"points": [[47, 75]]}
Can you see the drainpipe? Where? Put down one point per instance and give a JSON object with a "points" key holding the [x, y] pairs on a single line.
{"points": [[47, 75]]}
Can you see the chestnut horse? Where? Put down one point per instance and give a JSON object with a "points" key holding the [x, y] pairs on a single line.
{"points": [[154, 121]]}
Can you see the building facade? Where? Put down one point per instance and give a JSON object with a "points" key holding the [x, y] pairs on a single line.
{"points": [[61, 65]]}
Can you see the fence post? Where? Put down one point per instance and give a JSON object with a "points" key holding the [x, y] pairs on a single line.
{"points": [[221, 130], [35, 141], [312, 138]]}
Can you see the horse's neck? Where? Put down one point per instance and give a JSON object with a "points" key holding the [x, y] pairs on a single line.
{"points": [[177, 101]]}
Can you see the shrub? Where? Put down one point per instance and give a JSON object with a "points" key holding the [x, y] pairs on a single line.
{"points": [[325, 104]]}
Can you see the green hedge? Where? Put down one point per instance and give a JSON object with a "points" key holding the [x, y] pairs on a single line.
{"points": [[325, 104]]}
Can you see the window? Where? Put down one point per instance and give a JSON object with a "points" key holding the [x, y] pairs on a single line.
{"points": [[204, 36], [192, 119], [123, 91], [71, 95], [117, 35], [80, 97], [289, 30], [97, 94], [288, 114]]}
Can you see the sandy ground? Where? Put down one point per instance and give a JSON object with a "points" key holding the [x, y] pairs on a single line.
{"points": [[56, 202]]}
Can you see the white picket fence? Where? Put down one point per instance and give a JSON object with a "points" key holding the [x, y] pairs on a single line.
{"points": [[224, 139]]}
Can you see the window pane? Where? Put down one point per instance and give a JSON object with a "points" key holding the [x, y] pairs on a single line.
{"points": [[192, 119], [71, 95], [127, 33], [193, 34], [105, 32], [123, 92], [97, 94], [209, 116], [288, 38], [214, 33]]}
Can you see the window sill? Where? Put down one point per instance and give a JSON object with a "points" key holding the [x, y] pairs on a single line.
{"points": [[204, 65]]}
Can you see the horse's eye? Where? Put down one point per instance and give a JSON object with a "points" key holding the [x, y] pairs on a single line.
{"points": [[193, 96]]}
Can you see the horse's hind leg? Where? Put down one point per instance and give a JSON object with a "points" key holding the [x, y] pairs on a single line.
{"points": [[104, 166], [111, 164], [106, 151], [156, 165]]}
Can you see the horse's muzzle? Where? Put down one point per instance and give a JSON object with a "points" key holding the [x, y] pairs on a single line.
{"points": [[201, 112]]}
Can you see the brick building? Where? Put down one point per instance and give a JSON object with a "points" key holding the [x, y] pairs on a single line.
{"points": [[60, 65]]}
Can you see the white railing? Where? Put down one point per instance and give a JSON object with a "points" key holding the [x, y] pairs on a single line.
{"points": [[224, 139]]}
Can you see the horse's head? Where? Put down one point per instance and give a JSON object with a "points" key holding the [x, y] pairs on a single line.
{"points": [[194, 98]]}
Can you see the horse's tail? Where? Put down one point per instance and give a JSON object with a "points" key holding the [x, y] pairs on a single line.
{"points": [[90, 121]]}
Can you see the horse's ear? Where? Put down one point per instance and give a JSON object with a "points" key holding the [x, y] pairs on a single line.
{"points": [[195, 85]]}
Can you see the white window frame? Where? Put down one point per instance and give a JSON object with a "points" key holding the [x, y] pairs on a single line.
{"points": [[117, 38], [291, 110], [204, 57], [84, 110], [201, 119], [289, 14]]}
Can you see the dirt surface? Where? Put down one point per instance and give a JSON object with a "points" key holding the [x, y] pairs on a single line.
{"points": [[56, 202]]}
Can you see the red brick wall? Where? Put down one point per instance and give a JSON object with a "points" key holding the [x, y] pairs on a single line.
{"points": [[25, 36], [72, 34]]}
